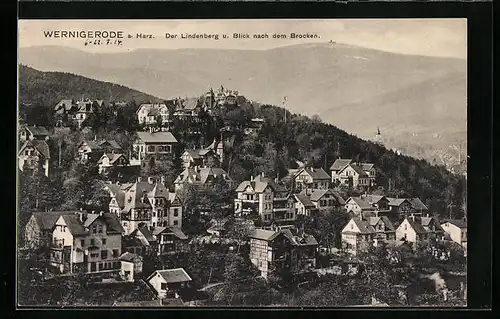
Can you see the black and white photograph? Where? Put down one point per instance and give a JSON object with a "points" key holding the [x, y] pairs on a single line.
{"points": [[242, 163]]}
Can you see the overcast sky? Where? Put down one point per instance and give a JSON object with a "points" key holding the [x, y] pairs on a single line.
{"points": [[431, 37]]}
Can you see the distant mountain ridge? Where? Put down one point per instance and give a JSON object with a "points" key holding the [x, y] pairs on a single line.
{"points": [[354, 88]]}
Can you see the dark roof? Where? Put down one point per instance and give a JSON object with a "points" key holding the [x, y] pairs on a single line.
{"points": [[172, 275], [396, 201], [146, 232], [131, 241], [304, 199], [77, 227], [358, 169], [457, 222], [417, 204], [93, 145], [74, 225], [417, 227], [201, 175], [157, 137], [300, 240], [195, 154], [112, 143], [374, 220], [37, 130], [177, 232], [319, 193], [41, 146], [47, 220], [361, 202], [264, 234], [259, 184], [316, 173], [339, 164], [127, 256], [373, 199], [112, 222], [364, 227]]}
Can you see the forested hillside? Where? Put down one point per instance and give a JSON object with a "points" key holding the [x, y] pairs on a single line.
{"points": [[283, 139], [40, 91]]}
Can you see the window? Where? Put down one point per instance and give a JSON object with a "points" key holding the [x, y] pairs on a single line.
{"points": [[82, 242], [94, 255], [100, 229], [115, 253], [104, 241], [405, 227], [154, 214], [163, 286], [150, 149], [176, 222], [176, 212], [94, 229], [104, 254], [92, 242]]}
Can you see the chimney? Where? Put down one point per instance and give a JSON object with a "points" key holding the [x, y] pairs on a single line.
{"points": [[150, 180], [251, 178], [138, 179], [100, 213], [95, 137], [262, 174]]}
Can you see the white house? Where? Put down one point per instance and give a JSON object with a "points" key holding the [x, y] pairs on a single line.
{"points": [[411, 231], [169, 281], [34, 154], [357, 235], [151, 144], [131, 264], [353, 174], [86, 243], [311, 178], [148, 113], [110, 160], [266, 198], [457, 230]]}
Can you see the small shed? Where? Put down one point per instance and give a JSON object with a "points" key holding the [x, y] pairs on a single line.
{"points": [[131, 264], [168, 282]]}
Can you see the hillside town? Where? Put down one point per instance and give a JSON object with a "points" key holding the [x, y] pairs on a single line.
{"points": [[149, 229]]}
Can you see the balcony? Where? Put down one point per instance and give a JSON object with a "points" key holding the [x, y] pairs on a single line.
{"points": [[57, 244], [252, 201]]}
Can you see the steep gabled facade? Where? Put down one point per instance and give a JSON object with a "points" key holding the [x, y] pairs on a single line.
{"points": [[86, 243]]}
